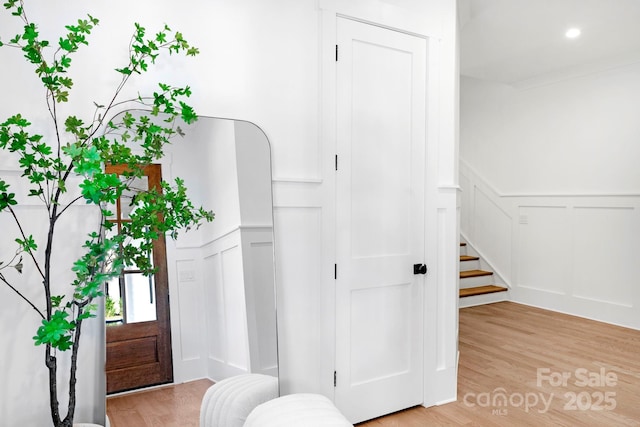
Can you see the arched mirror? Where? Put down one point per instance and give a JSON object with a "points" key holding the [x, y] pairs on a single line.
{"points": [[214, 298]]}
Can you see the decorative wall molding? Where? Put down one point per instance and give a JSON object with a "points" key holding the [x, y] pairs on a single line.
{"points": [[570, 253]]}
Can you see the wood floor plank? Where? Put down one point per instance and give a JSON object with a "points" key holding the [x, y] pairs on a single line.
{"points": [[503, 345], [169, 406]]}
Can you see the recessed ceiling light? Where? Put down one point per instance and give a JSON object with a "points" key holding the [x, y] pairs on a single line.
{"points": [[573, 33]]}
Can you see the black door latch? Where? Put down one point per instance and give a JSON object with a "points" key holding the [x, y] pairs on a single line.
{"points": [[419, 269]]}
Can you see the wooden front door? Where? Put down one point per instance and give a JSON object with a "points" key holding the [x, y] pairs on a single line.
{"points": [[138, 323], [380, 215]]}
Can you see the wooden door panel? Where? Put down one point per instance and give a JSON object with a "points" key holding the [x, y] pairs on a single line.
{"points": [[131, 378], [132, 331], [132, 352]]}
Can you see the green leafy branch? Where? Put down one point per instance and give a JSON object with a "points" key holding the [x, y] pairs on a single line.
{"points": [[83, 149]]}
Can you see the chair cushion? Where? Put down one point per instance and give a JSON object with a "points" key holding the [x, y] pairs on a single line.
{"points": [[227, 403], [297, 410]]}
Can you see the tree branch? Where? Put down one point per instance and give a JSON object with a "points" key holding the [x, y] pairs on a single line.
{"points": [[52, 365], [2, 278], [59, 214], [24, 236], [74, 364]]}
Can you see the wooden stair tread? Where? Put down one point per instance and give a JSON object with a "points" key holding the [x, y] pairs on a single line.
{"points": [[469, 258], [474, 273], [481, 290], [463, 244]]}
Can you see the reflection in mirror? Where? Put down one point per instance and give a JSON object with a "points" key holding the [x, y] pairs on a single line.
{"points": [[238, 255], [227, 168]]}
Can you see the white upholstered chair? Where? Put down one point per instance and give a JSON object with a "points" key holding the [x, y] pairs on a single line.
{"points": [[228, 403]]}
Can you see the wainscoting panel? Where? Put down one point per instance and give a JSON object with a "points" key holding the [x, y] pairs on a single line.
{"points": [[605, 265], [214, 297], [544, 255], [225, 310], [465, 201], [234, 303], [440, 298], [298, 274], [188, 300], [258, 264]]}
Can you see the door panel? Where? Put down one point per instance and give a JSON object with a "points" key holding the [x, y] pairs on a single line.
{"points": [[138, 334], [381, 82]]}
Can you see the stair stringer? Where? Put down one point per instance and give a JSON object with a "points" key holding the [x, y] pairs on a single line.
{"points": [[496, 279], [485, 264]]}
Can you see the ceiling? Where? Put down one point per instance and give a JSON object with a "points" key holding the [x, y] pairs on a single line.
{"points": [[521, 42]]}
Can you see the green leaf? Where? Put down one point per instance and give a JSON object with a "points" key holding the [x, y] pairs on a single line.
{"points": [[56, 301], [72, 124], [66, 82], [7, 199], [65, 61], [126, 71], [30, 32], [187, 113], [43, 149], [27, 245], [66, 44], [90, 191], [72, 150], [56, 331], [84, 26], [10, 4], [62, 96]]}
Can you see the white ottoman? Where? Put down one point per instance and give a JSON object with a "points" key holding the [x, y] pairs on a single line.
{"points": [[227, 403], [297, 410]]}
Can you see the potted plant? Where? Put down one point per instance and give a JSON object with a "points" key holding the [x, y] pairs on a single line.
{"points": [[67, 169]]}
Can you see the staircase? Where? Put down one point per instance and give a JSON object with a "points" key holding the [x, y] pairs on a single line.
{"points": [[477, 286]]}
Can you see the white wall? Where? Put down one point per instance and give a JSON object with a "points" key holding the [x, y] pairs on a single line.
{"points": [[550, 189], [263, 62], [575, 136]]}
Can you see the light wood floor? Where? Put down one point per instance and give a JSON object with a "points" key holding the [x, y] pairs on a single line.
{"points": [[170, 406], [502, 346]]}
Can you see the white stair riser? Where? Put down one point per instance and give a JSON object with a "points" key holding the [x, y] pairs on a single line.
{"points": [[483, 299], [472, 282], [469, 265]]}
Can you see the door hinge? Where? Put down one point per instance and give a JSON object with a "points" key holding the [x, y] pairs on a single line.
{"points": [[335, 271], [335, 378], [336, 53], [336, 162]]}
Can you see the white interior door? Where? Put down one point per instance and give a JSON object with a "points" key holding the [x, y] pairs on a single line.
{"points": [[381, 116]]}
